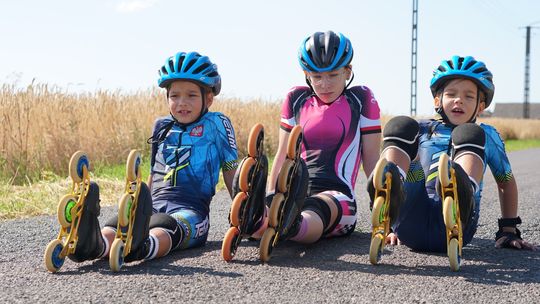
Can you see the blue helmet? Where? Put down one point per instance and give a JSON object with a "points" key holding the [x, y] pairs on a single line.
{"points": [[190, 66], [464, 67], [324, 52]]}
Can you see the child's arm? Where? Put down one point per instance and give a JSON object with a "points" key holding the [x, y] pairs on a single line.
{"points": [[508, 197], [149, 182], [371, 145], [228, 179], [508, 235]]}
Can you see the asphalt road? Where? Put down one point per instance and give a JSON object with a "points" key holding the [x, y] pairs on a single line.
{"points": [[333, 270]]}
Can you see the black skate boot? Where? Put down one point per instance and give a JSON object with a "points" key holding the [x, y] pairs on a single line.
{"points": [[135, 209], [249, 185], [90, 244], [284, 216], [385, 187]]}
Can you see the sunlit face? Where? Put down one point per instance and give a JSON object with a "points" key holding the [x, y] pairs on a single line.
{"points": [[329, 85], [459, 98], [186, 101]]}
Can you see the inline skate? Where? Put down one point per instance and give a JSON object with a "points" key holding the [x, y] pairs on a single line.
{"points": [[451, 213], [286, 205], [134, 211], [248, 205], [386, 191], [70, 211]]}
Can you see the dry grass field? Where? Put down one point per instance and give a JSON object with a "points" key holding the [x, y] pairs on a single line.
{"points": [[41, 126]]}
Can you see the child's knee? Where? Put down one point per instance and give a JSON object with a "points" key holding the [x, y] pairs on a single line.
{"points": [[168, 224], [401, 132]]}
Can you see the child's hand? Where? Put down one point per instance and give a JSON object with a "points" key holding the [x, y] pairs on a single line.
{"points": [[392, 239], [508, 242], [509, 236]]}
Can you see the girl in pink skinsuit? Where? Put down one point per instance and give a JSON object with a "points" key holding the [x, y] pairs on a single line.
{"points": [[341, 128]]}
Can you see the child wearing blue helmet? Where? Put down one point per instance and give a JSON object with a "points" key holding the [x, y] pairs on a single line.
{"points": [[427, 184], [331, 130], [189, 148]]}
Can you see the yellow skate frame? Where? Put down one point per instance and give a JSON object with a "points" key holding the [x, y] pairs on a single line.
{"points": [[132, 188], [451, 214], [380, 219], [69, 234]]}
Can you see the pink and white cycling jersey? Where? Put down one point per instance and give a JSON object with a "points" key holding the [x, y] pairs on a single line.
{"points": [[332, 134]]}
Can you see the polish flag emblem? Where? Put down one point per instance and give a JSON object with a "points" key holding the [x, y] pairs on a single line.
{"points": [[197, 131]]}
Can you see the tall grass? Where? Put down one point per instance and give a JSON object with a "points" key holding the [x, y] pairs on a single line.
{"points": [[42, 125]]}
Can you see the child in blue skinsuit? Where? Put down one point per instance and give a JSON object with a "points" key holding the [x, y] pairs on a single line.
{"points": [[189, 148], [462, 88]]}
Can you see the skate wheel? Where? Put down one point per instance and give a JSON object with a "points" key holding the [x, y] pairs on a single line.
{"points": [[77, 165], [124, 209], [236, 208], [255, 141], [376, 248], [53, 260], [444, 171], [285, 175], [116, 255], [295, 142], [229, 245], [267, 243], [453, 254], [246, 172], [448, 213], [133, 165], [275, 209], [378, 174], [377, 215], [66, 210]]}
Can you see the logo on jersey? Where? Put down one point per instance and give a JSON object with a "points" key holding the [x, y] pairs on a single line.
{"points": [[197, 131], [229, 130]]}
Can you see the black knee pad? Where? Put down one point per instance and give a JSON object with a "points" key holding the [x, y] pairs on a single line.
{"points": [[469, 137], [320, 207], [402, 132], [168, 224], [465, 194]]}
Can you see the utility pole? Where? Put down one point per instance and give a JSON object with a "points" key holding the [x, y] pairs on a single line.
{"points": [[527, 66], [526, 113], [414, 54]]}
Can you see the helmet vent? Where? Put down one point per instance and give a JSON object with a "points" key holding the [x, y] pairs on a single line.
{"points": [[480, 70], [201, 68], [189, 65], [470, 64], [171, 66]]}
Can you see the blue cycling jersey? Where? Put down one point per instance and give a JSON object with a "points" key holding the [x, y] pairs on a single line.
{"points": [[435, 139], [420, 224], [186, 160]]}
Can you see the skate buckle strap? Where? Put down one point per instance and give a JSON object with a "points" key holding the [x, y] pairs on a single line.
{"points": [[508, 222]]}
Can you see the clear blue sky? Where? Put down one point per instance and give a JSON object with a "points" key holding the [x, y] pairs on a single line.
{"points": [[115, 44]]}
